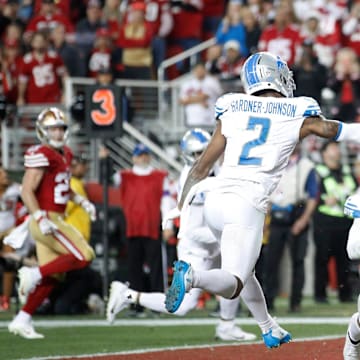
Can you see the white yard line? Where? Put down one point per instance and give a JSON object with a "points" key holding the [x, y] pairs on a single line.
{"points": [[178, 322]]}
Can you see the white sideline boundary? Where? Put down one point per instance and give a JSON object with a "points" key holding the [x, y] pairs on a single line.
{"points": [[179, 322]]}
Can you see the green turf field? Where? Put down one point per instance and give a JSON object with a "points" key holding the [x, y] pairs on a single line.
{"points": [[127, 334]]}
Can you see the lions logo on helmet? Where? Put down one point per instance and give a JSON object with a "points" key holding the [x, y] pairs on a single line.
{"points": [[265, 71], [49, 118], [194, 141]]}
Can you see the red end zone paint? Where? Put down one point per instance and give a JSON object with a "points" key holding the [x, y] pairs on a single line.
{"points": [[300, 350]]}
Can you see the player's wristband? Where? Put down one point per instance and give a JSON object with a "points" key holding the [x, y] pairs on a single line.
{"points": [[38, 215]]}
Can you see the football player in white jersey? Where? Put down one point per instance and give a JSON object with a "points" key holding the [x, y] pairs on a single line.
{"points": [[257, 131], [197, 245], [352, 343]]}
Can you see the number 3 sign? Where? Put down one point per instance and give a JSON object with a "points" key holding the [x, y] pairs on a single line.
{"points": [[103, 111]]}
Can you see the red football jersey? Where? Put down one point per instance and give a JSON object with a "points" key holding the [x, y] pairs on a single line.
{"points": [[53, 192], [46, 22], [154, 14], [43, 83], [283, 43]]}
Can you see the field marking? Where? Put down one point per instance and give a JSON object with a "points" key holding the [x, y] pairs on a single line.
{"points": [[174, 348], [179, 322]]}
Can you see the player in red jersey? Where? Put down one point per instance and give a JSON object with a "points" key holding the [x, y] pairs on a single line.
{"points": [[45, 192], [41, 74]]}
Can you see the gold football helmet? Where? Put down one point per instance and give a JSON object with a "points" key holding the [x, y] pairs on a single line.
{"points": [[48, 118]]}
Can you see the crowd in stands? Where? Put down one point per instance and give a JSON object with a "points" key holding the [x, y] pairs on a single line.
{"points": [[44, 41]]}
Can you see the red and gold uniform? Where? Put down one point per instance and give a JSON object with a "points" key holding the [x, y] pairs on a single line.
{"points": [[53, 194]]}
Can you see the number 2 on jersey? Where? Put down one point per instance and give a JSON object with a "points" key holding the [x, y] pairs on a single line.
{"points": [[245, 158]]}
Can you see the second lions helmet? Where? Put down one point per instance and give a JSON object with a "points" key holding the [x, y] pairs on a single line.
{"points": [[194, 141], [265, 71]]}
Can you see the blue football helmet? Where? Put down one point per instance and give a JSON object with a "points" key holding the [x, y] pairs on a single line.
{"points": [[265, 71], [194, 141], [352, 206]]}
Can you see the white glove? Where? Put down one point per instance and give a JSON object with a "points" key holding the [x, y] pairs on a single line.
{"points": [[46, 226], [88, 206], [172, 214]]}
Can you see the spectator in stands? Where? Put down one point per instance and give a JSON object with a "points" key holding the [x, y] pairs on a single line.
{"points": [[198, 95], [331, 226], [11, 64], [13, 32], [213, 12], [231, 62], [9, 197], [351, 28], [41, 74], [158, 14], [86, 31], [135, 40], [113, 17], [10, 11], [345, 82], [67, 52], [232, 28], [252, 29], [282, 38], [145, 194], [326, 37], [310, 76], [100, 56], [186, 12], [47, 19]]}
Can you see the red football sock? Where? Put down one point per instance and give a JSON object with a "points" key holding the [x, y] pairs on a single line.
{"points": [[41, 292], [61, 264]]}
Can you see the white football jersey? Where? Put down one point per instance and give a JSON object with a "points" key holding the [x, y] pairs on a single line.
{"points": [[261, 133]]}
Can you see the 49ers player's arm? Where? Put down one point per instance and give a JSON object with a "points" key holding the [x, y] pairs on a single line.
{"points": [[330, 129], [201, 167], [30, 183]]}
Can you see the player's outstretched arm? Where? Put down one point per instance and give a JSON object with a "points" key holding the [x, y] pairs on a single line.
{"points": [[319, 126], [330, 129], [202, 166]]}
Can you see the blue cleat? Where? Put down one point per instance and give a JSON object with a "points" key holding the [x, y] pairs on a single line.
{"points": [[181, 284], [276, 337]]}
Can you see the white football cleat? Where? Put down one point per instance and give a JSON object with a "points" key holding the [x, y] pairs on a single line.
{"points": [[28, 279], [118, 300], [232, 333], [24, 329], [351, 349]]}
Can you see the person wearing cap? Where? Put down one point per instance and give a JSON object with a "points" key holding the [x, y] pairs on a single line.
{"points": [[145, 194], [230, 64]]}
